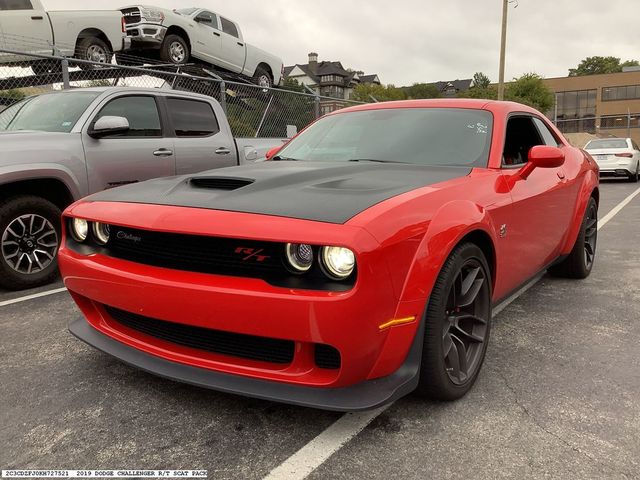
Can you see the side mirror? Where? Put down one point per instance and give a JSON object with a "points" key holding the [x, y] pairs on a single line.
{"points": [[272, 153], [541, 156], [108, 126], [203, 19], [544, 156]]}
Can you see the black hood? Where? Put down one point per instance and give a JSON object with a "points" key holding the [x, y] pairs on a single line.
{"points": [[323, 191]]}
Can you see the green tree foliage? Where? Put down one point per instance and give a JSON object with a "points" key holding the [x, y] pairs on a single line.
{"points": [[528, 89], [422, 90], [381, 93], [480, 80], [595, 65]]}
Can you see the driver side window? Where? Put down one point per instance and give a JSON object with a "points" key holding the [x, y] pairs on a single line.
{"points": [[522, 134], [208, 19], [140, 111]]}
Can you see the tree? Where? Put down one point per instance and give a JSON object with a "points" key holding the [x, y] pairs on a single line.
{"points": [[530, 90], [480, 80], [381, 93], [422, 90], [596, 65]]}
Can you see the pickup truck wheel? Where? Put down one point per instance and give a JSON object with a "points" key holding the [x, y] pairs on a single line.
{"points": [[262, 78], [29, 240], [174, 50], [94, 50]]}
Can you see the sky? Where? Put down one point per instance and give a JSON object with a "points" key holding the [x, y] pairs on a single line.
{"points": [[413, 41]]}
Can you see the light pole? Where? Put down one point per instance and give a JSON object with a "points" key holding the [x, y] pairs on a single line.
{"points": [[503, 44]]}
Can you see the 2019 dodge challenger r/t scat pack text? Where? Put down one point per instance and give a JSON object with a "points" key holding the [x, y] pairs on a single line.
{"points": [[359, 263]]}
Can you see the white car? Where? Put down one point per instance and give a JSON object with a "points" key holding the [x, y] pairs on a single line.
{"points": [[195, 32], [26, 27], [616, 157]]}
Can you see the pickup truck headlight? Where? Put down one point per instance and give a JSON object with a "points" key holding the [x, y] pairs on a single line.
{"points": [[79, 229], [151, 15], [337, 262]]}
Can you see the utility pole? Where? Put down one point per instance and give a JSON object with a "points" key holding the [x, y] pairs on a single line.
{"points": [[503, 45]]}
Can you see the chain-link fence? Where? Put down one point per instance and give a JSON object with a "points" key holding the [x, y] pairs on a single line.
{"points": [[252, 111]]}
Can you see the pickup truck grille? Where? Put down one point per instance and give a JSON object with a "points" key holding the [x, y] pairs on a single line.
{"points": [[195, 253], [131, 15]]}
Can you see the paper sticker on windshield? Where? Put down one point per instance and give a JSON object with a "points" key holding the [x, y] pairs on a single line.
{"points": [[66, 124], [479, 127]]}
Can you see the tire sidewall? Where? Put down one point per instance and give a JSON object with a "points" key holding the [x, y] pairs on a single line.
{"points": [[165, 49], [12, 209]]}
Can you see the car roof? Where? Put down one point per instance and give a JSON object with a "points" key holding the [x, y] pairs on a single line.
{"points": [[103, 90], [494, 106]]}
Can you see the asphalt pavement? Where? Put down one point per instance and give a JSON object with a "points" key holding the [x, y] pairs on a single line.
{"points": [[558, 396]]}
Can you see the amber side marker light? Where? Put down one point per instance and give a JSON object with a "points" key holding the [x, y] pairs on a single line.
{"points": [[396, 321]]}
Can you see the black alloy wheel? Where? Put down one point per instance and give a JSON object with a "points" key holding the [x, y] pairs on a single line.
{"points": [[457, 325], [590, 235]]}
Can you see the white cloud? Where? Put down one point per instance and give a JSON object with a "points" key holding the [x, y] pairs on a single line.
{"points": [[408, 41]]}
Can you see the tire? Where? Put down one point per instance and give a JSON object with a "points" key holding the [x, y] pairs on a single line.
{"points": [[36, 222], [445, 345], [262, 78], [175, 50], [580, 261], [635, 176], [95, 50]]}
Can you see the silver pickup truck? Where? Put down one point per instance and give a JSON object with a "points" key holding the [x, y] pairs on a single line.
{"points": [[58, 147]]}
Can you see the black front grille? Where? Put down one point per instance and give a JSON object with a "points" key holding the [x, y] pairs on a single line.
{"points": [[196, 253], [249, 347], [326, 356], [131, 15], [220, 183]]}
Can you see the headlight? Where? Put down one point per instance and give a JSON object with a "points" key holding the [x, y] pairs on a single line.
{"points": [[152, 15], [299, 256], [338, 262], [79, 228], [101, 233]]}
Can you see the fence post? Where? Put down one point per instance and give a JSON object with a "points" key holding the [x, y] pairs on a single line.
{"points": [[64, 64], [317, 106], [223, 96]]}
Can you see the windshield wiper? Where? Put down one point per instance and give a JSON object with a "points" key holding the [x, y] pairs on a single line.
{"points": [[284, 159], [372, 160]]}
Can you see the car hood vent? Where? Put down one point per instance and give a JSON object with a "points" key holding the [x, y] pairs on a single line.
{"points": [[221, 183]]}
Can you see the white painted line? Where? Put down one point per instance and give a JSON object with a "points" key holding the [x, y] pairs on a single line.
{"points": [[313, 454], [302, 463], [31, 297], [603, 221]]}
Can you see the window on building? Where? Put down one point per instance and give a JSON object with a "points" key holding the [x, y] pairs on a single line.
{"points": [[575, 110], [621, 121], [628, 92]]}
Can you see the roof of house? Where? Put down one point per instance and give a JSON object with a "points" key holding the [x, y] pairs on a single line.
{"points": [[329, 68], [457, 84]]}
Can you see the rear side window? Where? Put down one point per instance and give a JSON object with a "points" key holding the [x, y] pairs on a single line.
{"points": [[607, 143], [229, 27], [192, 118], [547, 136], [141, 112], [16, 5]]}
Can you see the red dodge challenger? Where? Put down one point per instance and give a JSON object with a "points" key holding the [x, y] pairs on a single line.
{"points": [[359, 263]]}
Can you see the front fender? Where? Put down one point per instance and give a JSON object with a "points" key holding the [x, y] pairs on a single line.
{"points": [[451, 223], [589, 185], [39, 171]]}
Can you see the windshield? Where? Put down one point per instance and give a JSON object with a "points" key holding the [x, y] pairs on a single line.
{"points": [[421, 136], [52, 112], [186, 11], [607, 143]]}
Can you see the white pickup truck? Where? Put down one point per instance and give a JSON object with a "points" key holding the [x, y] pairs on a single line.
{"points": [[201, 34], [25, 26]]}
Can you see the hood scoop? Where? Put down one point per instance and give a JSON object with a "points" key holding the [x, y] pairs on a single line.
{"points": [[221, 183]]}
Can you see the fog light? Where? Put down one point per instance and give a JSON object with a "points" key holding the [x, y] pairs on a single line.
{"points": [[338, 262], [101, 233], [299, 256], [79, 228]]}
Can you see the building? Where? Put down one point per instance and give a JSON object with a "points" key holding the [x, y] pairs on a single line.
{"points": [[605, 105], [450, 89], [328, 79]]}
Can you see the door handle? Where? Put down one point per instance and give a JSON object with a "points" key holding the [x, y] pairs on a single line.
{"points": [[241, 44], [223, 151], [37, 17], [163, 152], [561, 175], [216, 34]]}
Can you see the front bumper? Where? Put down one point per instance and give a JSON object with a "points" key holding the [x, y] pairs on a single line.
{"points": [[363, 396], [145, 35]]}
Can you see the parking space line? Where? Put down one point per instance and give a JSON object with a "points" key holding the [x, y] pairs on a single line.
{"points": [[302, 463], [32, 296]]}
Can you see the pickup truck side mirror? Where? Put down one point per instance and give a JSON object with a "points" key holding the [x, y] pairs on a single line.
{"points": [[272, 153], [203, 19], [542, 156], [108, 125]]}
